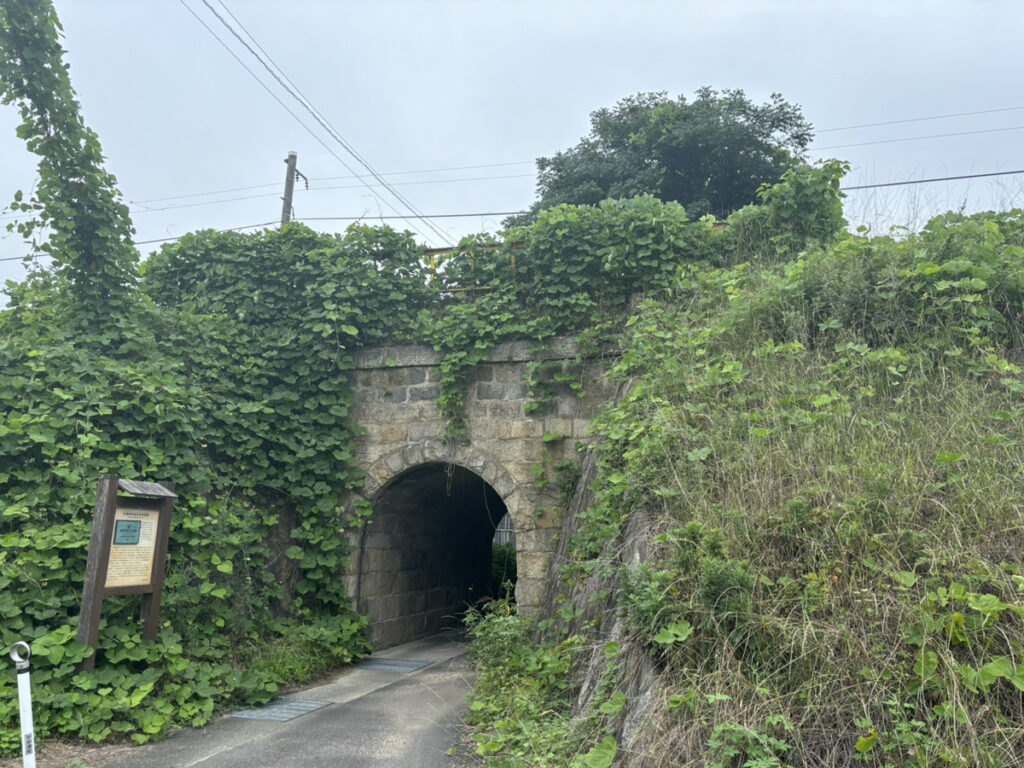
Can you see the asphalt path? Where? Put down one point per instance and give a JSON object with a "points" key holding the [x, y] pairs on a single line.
{"points": [[376, 714]]}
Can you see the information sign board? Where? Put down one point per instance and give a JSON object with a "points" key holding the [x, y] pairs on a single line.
{"points": [[133, 547], [127, 553]]}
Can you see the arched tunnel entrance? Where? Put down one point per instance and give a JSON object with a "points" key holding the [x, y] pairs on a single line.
{"points": [[426, 552]]}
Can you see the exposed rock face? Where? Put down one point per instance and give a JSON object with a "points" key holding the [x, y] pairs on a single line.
{"points": [[598, 615]]}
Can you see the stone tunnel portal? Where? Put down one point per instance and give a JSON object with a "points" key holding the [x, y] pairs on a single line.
{"points": [[426, 552]]}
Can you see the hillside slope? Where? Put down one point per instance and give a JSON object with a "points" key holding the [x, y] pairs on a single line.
{"points": [[802, 541]]}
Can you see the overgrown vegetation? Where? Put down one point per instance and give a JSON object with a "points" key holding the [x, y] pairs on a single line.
{"points": [[237, 401], [227, 372], [825, 428], [229, 376], [830, 441], [243, 404], [222, 364], [503, 569], [575, 268], [519, 696]]}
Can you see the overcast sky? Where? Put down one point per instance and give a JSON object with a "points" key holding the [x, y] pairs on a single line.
{"points": [[446, 84]]}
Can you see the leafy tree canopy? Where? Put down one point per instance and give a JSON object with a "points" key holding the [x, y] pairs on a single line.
{"points": [[710, 154]]}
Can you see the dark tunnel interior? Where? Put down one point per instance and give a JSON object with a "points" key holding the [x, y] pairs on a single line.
{"points": [[426, 552]]}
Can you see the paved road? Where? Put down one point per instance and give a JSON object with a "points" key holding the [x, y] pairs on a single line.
{"points": [[376, 714]]}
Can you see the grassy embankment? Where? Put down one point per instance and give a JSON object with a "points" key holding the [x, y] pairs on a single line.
{"points": [[827, 453]]}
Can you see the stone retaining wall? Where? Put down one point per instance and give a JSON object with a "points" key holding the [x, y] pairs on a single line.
{"points": [[396, 390]]}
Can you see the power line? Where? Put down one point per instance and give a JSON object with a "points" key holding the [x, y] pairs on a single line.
{"points": [[842, 189], [919, 119], [531, 162], [920, 138], [202, 194], [161, 239], [929, 181], [434, 181], [440, 170], [306, 104], [276, 184], [516, 176], [513, 176], [426, 216], [274, 95], [284, 106], [516, 213], [322, 189], [218, 231], [203, 203]]}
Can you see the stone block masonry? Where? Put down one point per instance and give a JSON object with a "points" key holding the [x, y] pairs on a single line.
{"points": [[426, 553]]}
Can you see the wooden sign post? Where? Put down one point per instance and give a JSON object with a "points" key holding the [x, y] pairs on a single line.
{"points": [[127, 553]]}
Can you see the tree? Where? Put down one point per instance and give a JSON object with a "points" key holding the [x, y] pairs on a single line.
{"points": [[711, 154], [76, 201]]}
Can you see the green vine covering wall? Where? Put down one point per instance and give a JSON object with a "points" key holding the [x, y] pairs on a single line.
{"points": [[230, 377]]}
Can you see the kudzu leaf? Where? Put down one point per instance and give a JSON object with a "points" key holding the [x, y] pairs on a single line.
{"points": [[906, 578], [866, 743], [614, 705], [1001, 667], [1018, 678], [603, 755], [664, 637]]}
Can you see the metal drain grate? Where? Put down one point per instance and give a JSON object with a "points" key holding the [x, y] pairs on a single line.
{"points": [[282, 710], [392, 665]]}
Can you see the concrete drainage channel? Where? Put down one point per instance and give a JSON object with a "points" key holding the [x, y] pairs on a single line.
{"points": [[282, 710], [286, 709]]}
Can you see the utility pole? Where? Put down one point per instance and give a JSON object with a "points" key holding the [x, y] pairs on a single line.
{"points": [[289, 187]]}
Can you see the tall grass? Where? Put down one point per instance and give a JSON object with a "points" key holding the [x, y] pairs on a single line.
{"points": [[833, 451]]}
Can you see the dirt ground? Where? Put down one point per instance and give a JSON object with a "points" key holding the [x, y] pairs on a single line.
{"points": [[59, 753]]}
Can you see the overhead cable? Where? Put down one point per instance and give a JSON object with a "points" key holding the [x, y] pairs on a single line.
{"points": [[921, 138], [276, 184], [285, 82], [203, 194], [920, 119], [929, 181], [515, 213], [162, 239], [426, 215], [284, 106], [218, 231], [440, 170], [203, 203]]}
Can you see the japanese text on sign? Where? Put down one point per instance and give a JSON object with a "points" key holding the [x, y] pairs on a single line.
{"points": [[132, 547]]}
